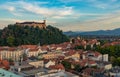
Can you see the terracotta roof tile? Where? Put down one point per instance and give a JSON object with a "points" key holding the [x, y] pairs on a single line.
{"points": [[57, 66], [29, 46]]}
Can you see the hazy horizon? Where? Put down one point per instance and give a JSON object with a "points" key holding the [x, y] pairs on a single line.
{"points": [[69, 15]]}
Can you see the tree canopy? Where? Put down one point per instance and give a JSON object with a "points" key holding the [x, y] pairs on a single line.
{"points": [[14, 35]]}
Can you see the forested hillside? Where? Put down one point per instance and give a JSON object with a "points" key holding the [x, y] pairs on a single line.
{"points": [[14, 35]]}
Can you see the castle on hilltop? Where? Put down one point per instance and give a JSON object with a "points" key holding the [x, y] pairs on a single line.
{"points": [[34, 24]]}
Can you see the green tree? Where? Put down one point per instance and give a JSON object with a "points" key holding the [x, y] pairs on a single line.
{"points": [[66, 64], [10, 40], [88, 47], [77, 68], [15, 35], [116, 61], [79, 47]]}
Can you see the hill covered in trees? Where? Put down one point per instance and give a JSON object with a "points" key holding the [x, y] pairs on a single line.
{"points": [[14, 35]]}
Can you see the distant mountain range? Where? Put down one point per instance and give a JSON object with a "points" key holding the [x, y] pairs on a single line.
{"points": [[72, 33], [115, 32]]}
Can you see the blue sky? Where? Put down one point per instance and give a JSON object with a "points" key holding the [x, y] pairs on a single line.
{"points": [[75, 15]]}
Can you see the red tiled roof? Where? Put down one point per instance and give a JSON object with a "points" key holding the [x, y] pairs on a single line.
{"points": [[79, 51], [89, 70], [115, 43], [44, 47], [33, 50], [29, 46], [61, 57], [57, 66], [70, 52], [97, 54], [4, 64], [107, 44], [91, 62], [12, 48], [93, 41], [81, 63], [8, 48], [112, 43]]}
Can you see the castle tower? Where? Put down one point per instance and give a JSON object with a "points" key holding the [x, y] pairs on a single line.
{"points": [[44, 21]]}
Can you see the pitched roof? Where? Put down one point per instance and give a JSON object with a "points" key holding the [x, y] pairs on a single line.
{"points": [[88, 71], [5, 64], [57, 66], [97, 54], [70, 52], [29, 46]]}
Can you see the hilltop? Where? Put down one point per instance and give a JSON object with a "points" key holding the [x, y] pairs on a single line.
{"points": [[14, 35]]}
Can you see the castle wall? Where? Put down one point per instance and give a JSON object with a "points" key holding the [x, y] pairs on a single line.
{"points": [[34, 24]]}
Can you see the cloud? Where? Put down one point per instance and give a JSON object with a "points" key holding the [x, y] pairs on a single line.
{"points": [[101, 4], [108, 16], [65, 15], [104, 4], [49, 12], [69, 1], [10, 8], [113, 0], [90, 14], [37, 8], [7, 7], [103, 22]]}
